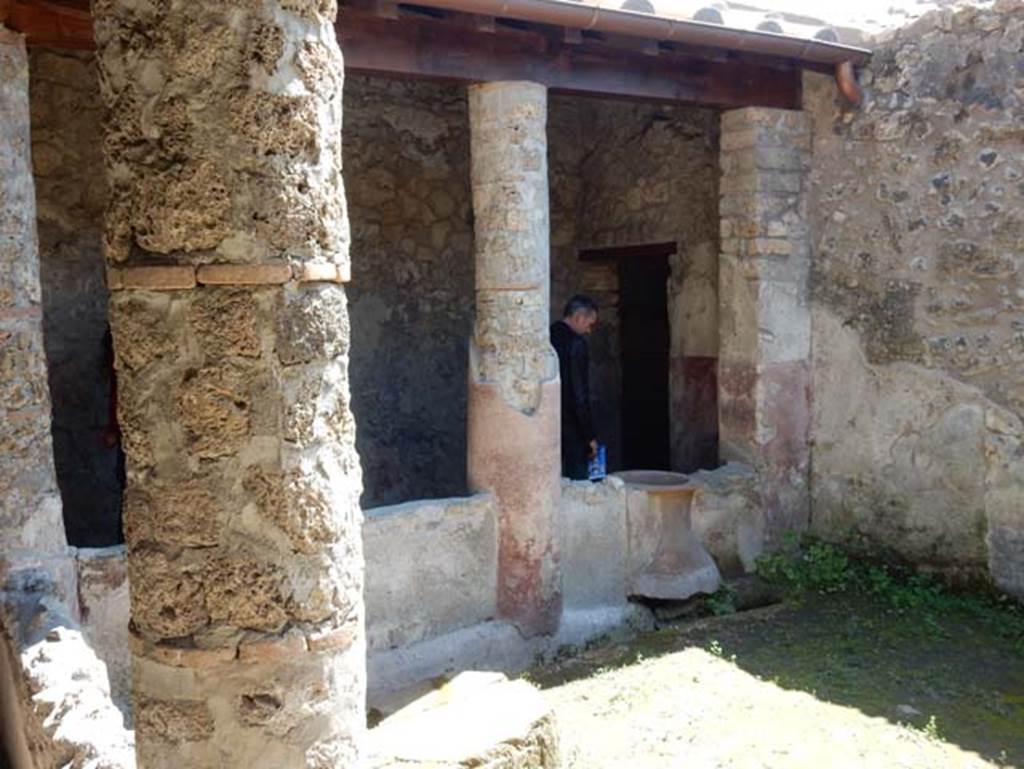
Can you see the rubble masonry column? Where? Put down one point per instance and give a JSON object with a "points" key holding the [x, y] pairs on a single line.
{"points": [[764, 311], [227, 241], [31, 523], [514, 392]]}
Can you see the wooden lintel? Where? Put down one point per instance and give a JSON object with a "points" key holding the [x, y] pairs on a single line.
{"points": [[448, 50], [624, 252], [386, 9], [52, 24]]}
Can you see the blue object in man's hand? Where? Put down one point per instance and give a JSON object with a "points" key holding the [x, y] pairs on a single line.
{"points": [[597, 467]]}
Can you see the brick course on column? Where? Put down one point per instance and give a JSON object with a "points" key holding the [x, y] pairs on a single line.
{"points": [[764, 379], [227, 240], [514, 396]]}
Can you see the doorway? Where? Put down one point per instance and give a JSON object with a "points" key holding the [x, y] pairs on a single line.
{"points": [[645, 338]]}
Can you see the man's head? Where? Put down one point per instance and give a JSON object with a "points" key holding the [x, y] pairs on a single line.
{"points": [[580, 314]]}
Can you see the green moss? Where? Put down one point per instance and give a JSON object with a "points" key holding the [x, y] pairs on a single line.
{"points": [[870, 635]]}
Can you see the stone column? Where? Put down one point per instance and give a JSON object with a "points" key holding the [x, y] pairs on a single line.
{"points": [[765, 326], [227, 240], [514, 395], [31, 523]]}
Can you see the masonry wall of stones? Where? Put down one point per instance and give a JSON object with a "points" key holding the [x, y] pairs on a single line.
{"points": [[917, 206], [620, 174], [627, 174], [406, 149], [70, 198]]}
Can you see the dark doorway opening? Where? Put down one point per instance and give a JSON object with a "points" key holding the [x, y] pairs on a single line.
{"points": [[645, 338]]}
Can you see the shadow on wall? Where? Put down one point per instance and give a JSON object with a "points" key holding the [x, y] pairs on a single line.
{"points": [[406, 147], [70, 198]]}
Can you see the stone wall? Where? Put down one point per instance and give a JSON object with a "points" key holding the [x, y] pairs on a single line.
{"points": [[628, 173], [30, 512], [55, 703], [431, 568], [918, 342], [406, 154], [70, 197]]}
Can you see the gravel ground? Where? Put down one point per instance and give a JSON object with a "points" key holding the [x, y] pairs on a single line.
{"points": [[819, 684]]}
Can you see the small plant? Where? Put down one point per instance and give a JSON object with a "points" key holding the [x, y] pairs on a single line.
{"points": [[721, 602], [817, 566], [931, 729], [826, 568], [716, 648]]}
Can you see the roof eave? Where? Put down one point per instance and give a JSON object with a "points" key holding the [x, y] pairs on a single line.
{"points": [[661, 28]]}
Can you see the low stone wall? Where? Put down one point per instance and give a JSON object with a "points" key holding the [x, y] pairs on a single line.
{"points": [[594, 545], [431, 568], [103, 607], [431, 579]]}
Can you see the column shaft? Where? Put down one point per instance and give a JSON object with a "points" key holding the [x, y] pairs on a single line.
{"points": [[31, 526], [226, 240], [765, 325], [514, 396]]}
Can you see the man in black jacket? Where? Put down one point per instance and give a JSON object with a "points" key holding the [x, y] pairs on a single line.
{"points": [[579, 442]]}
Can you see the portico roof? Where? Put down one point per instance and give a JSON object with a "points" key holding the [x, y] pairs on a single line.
{"points": [[719, 54]]}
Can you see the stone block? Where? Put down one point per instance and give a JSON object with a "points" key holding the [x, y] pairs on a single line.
{"points": [[475, 720], [189, 513], [174, 720], [431, 567], [166, 596], [592, 525], [312, 324], [728, 517], [56, 695], [214, 406]]}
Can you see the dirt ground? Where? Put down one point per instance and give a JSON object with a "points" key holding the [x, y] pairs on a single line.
{"points": [[823, 682]]}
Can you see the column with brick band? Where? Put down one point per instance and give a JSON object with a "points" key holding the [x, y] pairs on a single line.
{"points": [[227, 242], [31, 523], [514, 401], [764, 311]]}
